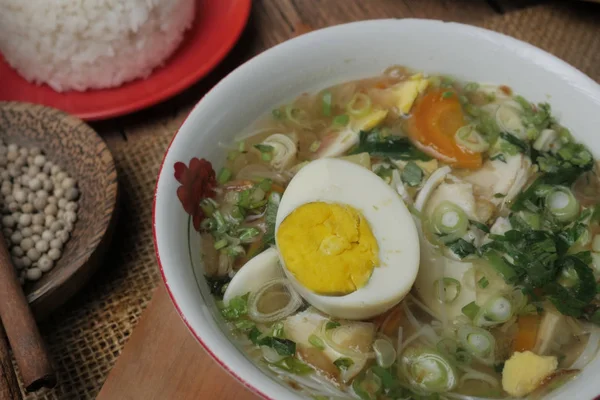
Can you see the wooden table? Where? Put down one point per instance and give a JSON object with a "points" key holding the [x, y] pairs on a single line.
{"points": [[162, 360]]}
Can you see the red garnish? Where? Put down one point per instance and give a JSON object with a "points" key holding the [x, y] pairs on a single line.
{"points": [[198, 181]]}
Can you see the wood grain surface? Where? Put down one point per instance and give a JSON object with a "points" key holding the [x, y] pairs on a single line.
{"points": [[161, 359]]}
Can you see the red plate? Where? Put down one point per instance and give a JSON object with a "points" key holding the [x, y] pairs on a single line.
{"points": [[217, 27]]}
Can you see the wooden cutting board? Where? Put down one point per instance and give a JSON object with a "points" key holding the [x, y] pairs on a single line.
{"points": [[162, 360]]}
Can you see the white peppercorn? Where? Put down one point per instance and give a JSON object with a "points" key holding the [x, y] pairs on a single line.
{"points": [[47, 167], [33, 254], [24, 151], [33, 274], [5, 190], [42, 194], [5, 175], [26, 261], [62, 235], [13, 148], [49, 220], [47, 235], [34, 151], [38, 219], [60, 214], [42, 246], [62, 203], [26, 232], [13, 206], [30, 197], [59, 192], [25, 220], [70, 217], [33, 171], [56, 244], [71, 206], [20, 196], [52, 200], [8, 221], [71, 194], [45, 264], [51, 209], [36, 238], [27, 244], [16, 237], [17, 251], [12, 155], [37, 229], [27, 208], [39, 160], [54, 254], [35, 184], [68, 183], [40, 203], [48, 185]]}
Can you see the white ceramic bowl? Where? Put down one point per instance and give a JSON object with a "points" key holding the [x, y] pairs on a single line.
{"points": [[319, 59]]}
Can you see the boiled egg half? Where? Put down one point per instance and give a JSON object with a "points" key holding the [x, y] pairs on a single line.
{"points": [[346, 240]]}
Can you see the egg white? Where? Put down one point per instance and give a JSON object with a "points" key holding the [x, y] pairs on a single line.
{"points": [[338, 181], [254, 274]]}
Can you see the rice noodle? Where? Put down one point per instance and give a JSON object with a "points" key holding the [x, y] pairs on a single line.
{"points": [[410, 316], [590, 351], [254, 171], [399, 341], [427, 332], [423, 306]]}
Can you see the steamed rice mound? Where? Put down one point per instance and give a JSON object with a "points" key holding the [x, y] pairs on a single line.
{"points": [[90, 44]]}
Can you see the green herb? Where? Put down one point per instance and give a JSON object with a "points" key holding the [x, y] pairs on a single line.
{"points": [[332, 325], [480, 226], [483, 283], [237, 308], [573, 300], [462, 248], [277, 330], [502, 266], [470, 310], [264, 149], [326, 100], [342, 120], [244, 325], [283, 347], [270, 217], [254, 335], [293, 365], [499, 195], [412, 175], [217, 285], [595, 317], [515, 141], [394, 147], [343, 363], [384, 173], [498, 156], [316, 341], [447, 94], [219, 244], [471, 86], [277, 114]]}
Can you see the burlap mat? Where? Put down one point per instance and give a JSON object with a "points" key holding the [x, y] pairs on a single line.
{"points": [[87, 335]]}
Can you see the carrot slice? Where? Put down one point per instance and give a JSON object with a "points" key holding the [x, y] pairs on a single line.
{"points": [[527, 333], [435, 120]]}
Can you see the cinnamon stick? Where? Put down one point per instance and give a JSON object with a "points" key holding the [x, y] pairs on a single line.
{"points": [[23, 335], [9, 386]]}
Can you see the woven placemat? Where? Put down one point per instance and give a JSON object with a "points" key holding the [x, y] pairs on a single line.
{"points": [[86, 336]]}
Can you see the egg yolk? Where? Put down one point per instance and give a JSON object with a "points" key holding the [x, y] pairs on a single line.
{"points": [[329, 248]]}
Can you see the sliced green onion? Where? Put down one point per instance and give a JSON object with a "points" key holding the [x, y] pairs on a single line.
{"points": [[483, 282], [341, 120], [314, 146], [232, 155], [248, 234], [568, 277], [449, 221], [266, 156], [367, 387], [293, 365], [224, 175], [495, 311], [277, 330], [343, 363], [332, 325], [427, 369], [266, 184], [471, 140], [359, 106], [219, 244], [447, 346], [241, 146], [277, 114], [471, 86], [276, 288], [220, 221], [478, 342], [326, 99], [297, 116], [384, 353], [497, 262], [316, 342], [447, 289], [471, 310], [561, 203]]}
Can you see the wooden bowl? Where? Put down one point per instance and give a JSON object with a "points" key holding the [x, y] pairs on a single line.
{"points": [[77, 148]]}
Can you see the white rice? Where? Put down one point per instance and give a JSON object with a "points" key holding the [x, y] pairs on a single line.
{"points": [[90, 44]]}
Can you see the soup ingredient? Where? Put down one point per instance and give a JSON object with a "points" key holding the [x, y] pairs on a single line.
{"points": [[478, 342], [337, 143], [436, 119], [254, 274], [407, 92], [524, 372], [362, 159], [334, 181], [394, 147], [561, 203], [93, 45], [282, 150], [39, 209], [275, 300], [346, 340], [329, 248], [527, 334], [427, 369]]}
